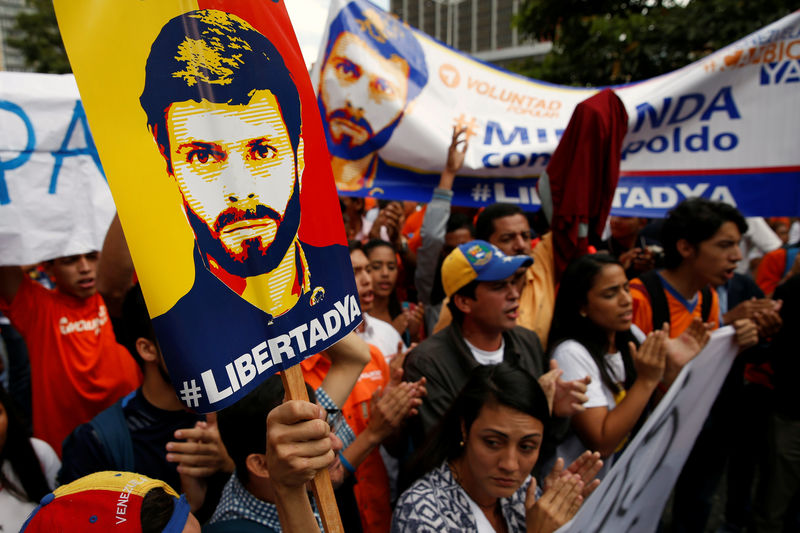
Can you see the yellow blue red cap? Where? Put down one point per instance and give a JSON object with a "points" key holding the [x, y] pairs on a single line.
{"points": [[478, 260]]}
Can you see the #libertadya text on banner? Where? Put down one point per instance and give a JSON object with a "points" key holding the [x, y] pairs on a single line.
{"points": [[723, 127], [207, 127]]}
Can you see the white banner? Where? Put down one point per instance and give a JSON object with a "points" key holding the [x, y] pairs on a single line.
{"points": [[725, 127], [54, 199], [633, 494]]}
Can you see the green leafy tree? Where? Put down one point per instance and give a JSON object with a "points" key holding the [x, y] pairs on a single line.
{"points": [[36, 35], [603, 42]]}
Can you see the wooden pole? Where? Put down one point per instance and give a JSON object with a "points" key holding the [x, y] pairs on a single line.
{"points": [[295, 387]]}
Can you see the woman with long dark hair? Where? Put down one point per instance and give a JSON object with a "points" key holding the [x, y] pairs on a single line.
{"points": [[29, 468], [384, 269], [593, 334], [476, 465]]}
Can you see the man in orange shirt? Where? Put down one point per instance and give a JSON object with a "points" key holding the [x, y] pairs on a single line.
{"points": [[701, 249], [77, 367]]}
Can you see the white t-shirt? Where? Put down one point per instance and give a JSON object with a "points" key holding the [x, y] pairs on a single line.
{"points": [[758, 240], [794, 233], [14, 512], [382, 335], [484, 357], [577, 363]]}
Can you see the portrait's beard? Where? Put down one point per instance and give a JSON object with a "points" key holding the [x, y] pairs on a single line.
{"points": [[345, 148], [255, 258]]}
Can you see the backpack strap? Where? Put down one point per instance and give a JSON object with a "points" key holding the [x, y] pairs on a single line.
{"points": [[705, 307], [658, 300], [112, 431]]}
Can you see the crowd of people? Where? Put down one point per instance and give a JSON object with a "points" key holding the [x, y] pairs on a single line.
{"points": [[483, 390]]}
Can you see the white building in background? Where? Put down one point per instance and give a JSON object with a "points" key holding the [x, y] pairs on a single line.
{"points": [[482, 28], [10, 58]]}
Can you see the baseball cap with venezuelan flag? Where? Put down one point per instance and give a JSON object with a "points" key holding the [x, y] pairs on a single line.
{"points": [[102, 502], [478, 260]]}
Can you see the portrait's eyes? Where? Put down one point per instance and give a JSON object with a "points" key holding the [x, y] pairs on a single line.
{"points": [[260, 149], [347, 69], [383, 87], [204, 155]]}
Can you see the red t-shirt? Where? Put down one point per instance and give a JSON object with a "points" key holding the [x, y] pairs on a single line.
{"points": [[77, 367], [770, 270], [372, 487]]}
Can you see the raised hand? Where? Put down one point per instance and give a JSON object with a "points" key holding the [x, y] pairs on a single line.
{"points": [[564, 397], [651, 357], [416, 317], [298, 443], [587, 466], [199, 456], [768, 320], [202, 452], [389, 408], [457, 150], [556, 507], [746, 333]]}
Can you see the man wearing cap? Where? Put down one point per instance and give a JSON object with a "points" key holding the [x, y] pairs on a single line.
{"points": [[484, 286]]}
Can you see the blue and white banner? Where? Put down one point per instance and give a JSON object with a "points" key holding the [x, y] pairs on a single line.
{"points": [[724, 127], [54, 199]]}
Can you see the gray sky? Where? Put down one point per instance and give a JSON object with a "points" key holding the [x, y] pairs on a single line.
{"points": [[308, 18]]}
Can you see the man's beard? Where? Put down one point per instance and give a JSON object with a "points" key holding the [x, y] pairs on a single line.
{"points": [[344, 149], [255, 258]]}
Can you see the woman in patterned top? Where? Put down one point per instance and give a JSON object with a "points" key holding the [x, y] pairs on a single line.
{"points": [[477, 464]]}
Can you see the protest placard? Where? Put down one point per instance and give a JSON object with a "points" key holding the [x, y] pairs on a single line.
{"points": [[212, 144], [206, 122]]}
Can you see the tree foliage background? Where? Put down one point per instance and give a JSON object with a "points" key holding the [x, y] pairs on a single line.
{"points": [[36, 35], [605, 42], [595, 42]]}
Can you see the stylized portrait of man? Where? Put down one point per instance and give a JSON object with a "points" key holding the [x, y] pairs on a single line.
{"points": [[225, 114], [373, 68]]}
